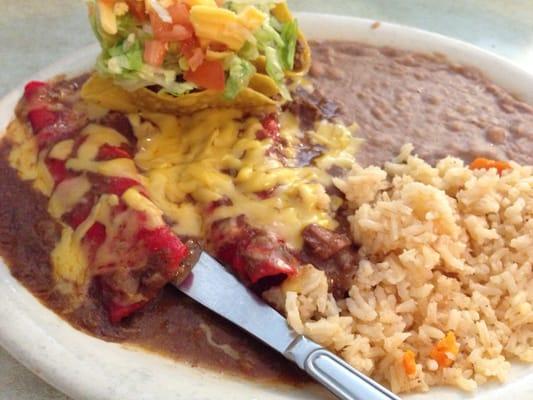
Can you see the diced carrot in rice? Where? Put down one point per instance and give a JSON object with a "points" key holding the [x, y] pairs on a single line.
{"points": [[445, 350], [485, 163], [409, 364]]}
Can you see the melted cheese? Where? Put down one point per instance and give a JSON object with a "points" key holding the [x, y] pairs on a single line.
{"points": [[96, 136], [69, 258], [69, 261], [67, 194], [44, 182], [124, 225], [62, 150], [190, 162], [24, 155], [138, 202], [187, 163], [119, 167], [340, 140]]}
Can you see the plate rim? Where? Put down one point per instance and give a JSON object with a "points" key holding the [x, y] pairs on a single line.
{"points": [[79, 379]]}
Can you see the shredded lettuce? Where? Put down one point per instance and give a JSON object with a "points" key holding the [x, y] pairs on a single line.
{"points": [[239, 74], [274, 22], [289, 35], [249, 51], [125, 26], [127, 55], [164, 78], [150, 76], [124, 62], [267, 36], [275, 70]]}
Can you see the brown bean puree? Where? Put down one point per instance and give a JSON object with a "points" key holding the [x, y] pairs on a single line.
{"points": [[398, 97], [395, 96]]}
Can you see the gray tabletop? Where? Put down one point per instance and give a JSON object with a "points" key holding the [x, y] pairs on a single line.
{"points": [[34, 33]]}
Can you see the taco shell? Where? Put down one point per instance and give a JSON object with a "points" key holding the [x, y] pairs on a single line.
{"points": [[261, 92]]}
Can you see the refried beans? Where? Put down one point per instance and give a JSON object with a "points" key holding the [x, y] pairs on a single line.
{"points": [[397, 97]]}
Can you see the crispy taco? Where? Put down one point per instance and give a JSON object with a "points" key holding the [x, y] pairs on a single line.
{"points": [[186, 55]]}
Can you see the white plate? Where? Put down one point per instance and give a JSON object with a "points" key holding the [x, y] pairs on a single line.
{"points": [[87, 368]]}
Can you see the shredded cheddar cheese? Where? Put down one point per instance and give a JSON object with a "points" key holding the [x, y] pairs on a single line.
{"points": [[69, 261], [62, 150], [24, 154], [211, 3], [67, 194], [138, 202], [44, 181], [96, 136], [107, 17], [213, 24]]}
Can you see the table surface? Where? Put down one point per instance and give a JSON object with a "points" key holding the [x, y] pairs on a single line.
{"points": [[35, 33]]}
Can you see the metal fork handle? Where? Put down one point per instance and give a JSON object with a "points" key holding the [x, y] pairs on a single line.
{"points": [[336, 375]]}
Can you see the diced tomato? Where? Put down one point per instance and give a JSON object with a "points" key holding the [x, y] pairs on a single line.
{"points": [[166, 32], [270, 128], [180, 14], [158, 25], [96, 234], [188, 46], [33, 88], [154, 52], [137, 9], [108, 152], [196, 59], [118, 312], [209, 75], [41, 118], [485, 163], [118, 186], [58, 169], [178, 33]]}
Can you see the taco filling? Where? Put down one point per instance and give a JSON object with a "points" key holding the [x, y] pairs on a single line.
{"points": [[179, 47]]}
